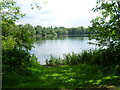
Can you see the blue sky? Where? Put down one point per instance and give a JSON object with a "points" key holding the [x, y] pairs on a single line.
{"points": [[67, 13]]}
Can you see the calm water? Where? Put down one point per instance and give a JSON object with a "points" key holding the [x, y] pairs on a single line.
{"points": [[44, 48]]}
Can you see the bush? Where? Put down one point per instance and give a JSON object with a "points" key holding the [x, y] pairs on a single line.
{"points": [[15, 66], [15, 60], [11, 78]]}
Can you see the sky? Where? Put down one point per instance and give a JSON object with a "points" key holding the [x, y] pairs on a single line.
{"points": [[66, 13]]}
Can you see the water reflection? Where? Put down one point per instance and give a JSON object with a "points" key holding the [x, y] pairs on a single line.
{"points": [[44, 47]]}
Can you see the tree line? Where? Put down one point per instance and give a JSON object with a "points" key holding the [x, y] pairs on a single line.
{"points": [[40, 31]]}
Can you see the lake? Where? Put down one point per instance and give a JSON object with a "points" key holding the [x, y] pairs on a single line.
{"points": [[44, 48]]}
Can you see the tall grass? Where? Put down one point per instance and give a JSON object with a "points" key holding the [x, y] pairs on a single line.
{"points": [[71, 59], [97, 57]]}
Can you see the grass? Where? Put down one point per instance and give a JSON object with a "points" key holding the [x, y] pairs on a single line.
{"points": [[68, 76]]}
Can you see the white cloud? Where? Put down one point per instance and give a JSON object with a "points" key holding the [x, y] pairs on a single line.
{"points": [[67, 13]]}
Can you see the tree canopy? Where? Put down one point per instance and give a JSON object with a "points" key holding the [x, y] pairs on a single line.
{"points": [[16, 39], [108, 24]]}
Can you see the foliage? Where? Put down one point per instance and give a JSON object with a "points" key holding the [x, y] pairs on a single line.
{"points": [[16, 36], [78, 30], [94, 57], [106, 30], [108, 24], [57, 31], [16, 39], [53, 61], [72, 59], [10, 11], [15, 59]]}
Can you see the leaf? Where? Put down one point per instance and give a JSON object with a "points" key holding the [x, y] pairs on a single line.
{"points": [[113, 32]]}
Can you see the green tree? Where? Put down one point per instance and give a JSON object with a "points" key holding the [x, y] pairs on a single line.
{"points": [[16, 39], [14, 36], [106, 30], [10, 14], [38, 29], [107, 26], [10, 11]]}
